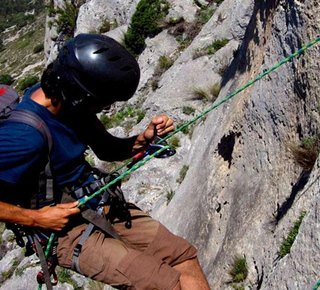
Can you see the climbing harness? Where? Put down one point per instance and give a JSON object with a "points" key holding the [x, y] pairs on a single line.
{"points": [[145, 158], [36, 242]]}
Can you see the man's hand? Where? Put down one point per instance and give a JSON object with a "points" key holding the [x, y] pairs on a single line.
{"points": [[160, 125], [49, 217], [56, 217]]}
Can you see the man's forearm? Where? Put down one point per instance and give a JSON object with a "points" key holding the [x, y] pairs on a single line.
{"points": [[48, 217], [14, 214]]}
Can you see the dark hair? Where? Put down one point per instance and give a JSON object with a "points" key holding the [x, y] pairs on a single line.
{"points": [[49, 85]]}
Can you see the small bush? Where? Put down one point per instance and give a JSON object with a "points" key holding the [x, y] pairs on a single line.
{"points": [[217, 44], [66, 18], [118, 118], [26, 83], [209, 94], [165, 62], [183, 173], [155, 84], [239, 270], [170, 194], [105, 27], [144, 23], [215, 90], [211, 49], [174, 142], [306, 152], [140, 115], [188, 110], [38, 48], [185, 130], [6, 79], [64, 275], [175, 21], [205, 15], [2, 47], [288, 242], [201, 94]]}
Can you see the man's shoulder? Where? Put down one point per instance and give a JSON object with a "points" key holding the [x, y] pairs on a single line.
{"points": [[14, 135]]}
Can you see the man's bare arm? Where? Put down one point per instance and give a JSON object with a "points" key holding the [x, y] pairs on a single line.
{"points": [[54, 218]]}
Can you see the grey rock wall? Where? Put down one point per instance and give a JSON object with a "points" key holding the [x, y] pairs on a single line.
{"points": [[93, 14], [240, 172], [242, 191]]}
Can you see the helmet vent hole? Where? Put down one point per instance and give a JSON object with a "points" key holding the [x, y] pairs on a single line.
{"points": [[101, 50], [114, 58], [126, 68]]}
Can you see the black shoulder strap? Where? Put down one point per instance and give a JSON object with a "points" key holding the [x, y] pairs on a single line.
{"points": [[32, 119]]}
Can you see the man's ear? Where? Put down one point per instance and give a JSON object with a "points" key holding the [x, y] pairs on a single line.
{"points": [[55, 102]]}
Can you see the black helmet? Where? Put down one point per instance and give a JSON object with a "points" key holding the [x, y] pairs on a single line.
{"points": [[95, 70]]}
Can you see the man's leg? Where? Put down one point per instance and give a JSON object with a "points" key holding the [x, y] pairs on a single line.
{"points": [[148, 256], [192, 277]]}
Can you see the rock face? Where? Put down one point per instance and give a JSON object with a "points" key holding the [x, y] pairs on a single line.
{"points": [[241, 190], [93, 14]]}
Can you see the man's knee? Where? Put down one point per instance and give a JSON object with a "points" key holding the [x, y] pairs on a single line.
{"points": [[145, 272]]}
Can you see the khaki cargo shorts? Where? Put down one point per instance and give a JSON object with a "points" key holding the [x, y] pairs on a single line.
{"points": [[143, 260]]}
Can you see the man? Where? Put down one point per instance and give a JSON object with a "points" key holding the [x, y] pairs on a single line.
{"points": [[90, 73]]}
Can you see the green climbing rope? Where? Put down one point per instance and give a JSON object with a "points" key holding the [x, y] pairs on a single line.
{"points": [[316, 286], [149, 157]]}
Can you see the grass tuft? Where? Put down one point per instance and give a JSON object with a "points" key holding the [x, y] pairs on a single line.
{"points": [[239, 270], [289, 240], [306, 152]]}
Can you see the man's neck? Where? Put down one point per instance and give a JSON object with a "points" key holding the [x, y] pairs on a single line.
{"points": [[39, 97]]}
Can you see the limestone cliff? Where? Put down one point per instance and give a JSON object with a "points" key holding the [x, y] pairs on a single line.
{"points": [[241, 190]]}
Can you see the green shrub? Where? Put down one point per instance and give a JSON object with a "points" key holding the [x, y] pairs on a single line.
{"points": [[39, 47], [201, 94], [26, 83], [215, 90], [105, 27], [118, 118], [2, 47], [64, 275], [183, 173], [165, 62], [185, 130], [205, 15], [306, 152], [174, 142], [239, 270], [144, 23], [216, 45], [175, 21], [66, 18], [140, 115], [170, 194], [6, 79], [288, 241], [155, 84], [188, 110]]}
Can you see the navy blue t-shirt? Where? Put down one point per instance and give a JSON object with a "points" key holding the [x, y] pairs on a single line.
{"points": [[24, 153]]}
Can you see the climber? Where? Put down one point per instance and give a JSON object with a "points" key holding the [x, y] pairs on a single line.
{"points": [[90, 73]]}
